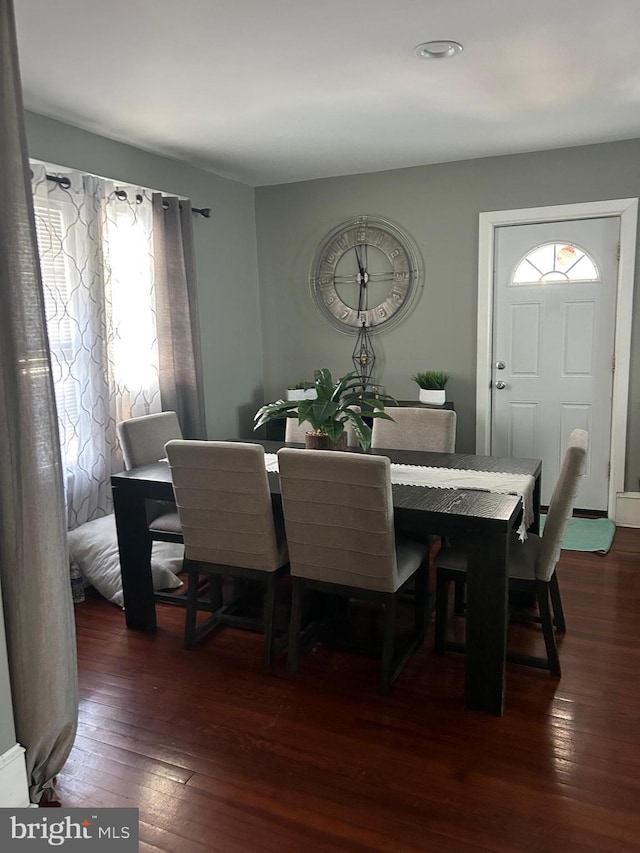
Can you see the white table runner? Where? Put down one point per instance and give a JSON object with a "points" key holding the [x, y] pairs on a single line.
{"points": [[455, 478]]}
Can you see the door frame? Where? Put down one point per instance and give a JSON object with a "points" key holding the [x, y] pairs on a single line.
{"points": [[627, 210]]}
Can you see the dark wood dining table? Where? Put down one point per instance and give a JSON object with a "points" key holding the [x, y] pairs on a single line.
{"points": [[485, 518]]}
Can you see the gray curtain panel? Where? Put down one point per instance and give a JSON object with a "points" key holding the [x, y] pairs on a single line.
{"points": [[177, 320], [34, 563]]}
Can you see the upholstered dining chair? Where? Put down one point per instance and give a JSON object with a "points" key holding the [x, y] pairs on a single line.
{"points": [[142, 440], [229, 530], [338, 513], [416, 429], [295, 432], [532, 563]]}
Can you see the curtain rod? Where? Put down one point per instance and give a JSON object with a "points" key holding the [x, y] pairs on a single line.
{"points": [[65, 183], [121, 195]]}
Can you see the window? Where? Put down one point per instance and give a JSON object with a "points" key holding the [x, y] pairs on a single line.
{"points": [[96, 259], [56, 279], [555, 263]]}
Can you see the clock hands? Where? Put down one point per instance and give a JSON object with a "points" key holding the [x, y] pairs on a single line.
{"points": [[362, 279], [361, 262], [365, 282]]}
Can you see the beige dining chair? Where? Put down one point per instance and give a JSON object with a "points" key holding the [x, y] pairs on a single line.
{"points": [[295, 432], [338, 513], [229, 530], [416, 429], [142, 440], [532, 563]]}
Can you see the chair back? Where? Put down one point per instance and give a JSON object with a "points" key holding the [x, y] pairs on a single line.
{"points": [[338, 512], [561, 504], [143, 439], [295, 432], [224, 504], [416, 429]]}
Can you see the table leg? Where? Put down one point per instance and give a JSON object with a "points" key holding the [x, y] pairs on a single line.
{"points": [[537, 492], [487, 614], [528, 599], [134, 546]]}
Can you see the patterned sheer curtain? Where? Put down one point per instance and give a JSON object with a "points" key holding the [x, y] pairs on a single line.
{"points": [[96, 253]]}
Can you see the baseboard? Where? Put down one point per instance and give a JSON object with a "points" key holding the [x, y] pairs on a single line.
{"points": [[628, 509], [14, 789]]}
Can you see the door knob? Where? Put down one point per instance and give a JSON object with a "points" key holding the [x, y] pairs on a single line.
{"points": [[500, 385], [500, 365]]}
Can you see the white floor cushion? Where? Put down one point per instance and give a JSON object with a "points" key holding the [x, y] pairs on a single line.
{"points": [[93, 547]]}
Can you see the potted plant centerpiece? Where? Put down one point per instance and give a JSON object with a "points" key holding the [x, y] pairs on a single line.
{"points": [[302, 390], [432, 386], [337, 403]]}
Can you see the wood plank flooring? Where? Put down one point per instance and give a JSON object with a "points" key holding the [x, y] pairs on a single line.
{"points": [[221, 757]]}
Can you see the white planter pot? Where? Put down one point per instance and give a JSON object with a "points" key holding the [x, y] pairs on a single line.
{"points": [[434, 398], [301, 394]]}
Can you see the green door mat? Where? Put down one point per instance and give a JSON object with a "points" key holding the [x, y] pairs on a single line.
{"points": [[587, 534]]}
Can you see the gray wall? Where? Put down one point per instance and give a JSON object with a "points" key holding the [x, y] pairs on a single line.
{"points": [[271, 332], [439, 206], [225, 259]]}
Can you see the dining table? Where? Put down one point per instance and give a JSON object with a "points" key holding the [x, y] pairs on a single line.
{"points": [[487, 519]]}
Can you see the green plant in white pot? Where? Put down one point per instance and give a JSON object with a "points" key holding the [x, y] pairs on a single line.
{"points": [[337, 403], [432, 384], [302, 390]]}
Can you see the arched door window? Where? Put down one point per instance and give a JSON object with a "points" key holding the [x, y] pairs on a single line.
{"points": [[555, 263]]}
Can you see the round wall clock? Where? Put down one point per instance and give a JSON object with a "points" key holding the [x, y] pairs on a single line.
{"points": [[365, 272]]}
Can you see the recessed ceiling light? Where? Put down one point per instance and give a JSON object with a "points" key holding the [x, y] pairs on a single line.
{"points": [[441, 49]]}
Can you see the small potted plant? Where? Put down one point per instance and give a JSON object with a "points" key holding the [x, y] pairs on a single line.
{"points": [[337, 403], [302, 390], [432, 385]]}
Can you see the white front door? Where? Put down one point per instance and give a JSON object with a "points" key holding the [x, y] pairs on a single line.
{"points": [[553, 344]]}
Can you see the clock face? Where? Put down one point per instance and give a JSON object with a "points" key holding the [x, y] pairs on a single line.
{"points": [[365, 272]]}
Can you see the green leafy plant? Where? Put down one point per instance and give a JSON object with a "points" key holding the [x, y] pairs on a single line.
{"points": [[431, 380], [333, 407]]}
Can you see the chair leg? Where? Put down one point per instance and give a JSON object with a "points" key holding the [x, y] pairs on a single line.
{"points": [[442, 611], [420, 603], [269, 619], [215, 592], [191, 609], [556, 601], [542, 595], [388, 644], [294, 625]]}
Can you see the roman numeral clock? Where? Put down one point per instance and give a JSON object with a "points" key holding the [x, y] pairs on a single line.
{"points": [[365, 276]]}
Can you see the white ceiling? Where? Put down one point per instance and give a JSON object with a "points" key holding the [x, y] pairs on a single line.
{"points": [[271, 91]]}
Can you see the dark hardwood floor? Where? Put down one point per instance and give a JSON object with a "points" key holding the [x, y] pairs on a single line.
{"points": [[221, 756]]}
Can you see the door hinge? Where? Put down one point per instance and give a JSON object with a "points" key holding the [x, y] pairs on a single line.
{"points": [[618, 252], [608, 470], [613, 363]]}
